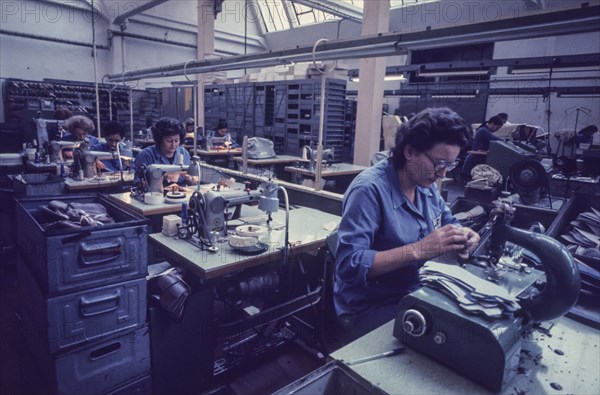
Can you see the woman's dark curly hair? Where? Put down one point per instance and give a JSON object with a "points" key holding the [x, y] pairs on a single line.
{"points": [[427, 128], [167, 127]]}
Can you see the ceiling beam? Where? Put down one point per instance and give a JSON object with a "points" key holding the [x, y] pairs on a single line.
{"points": [[146, 5], [544, 24], [339, 9]]}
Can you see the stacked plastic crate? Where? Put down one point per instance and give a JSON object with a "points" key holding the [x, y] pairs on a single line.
{"points": [[82, 294]]}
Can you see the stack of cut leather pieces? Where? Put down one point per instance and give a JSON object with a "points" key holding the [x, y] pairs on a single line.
{"points": [[582, 238], [583, 235], [473, 294]]}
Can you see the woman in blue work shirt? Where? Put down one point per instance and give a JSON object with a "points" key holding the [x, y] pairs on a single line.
{"points": [[394, 219], [113, 133], [168, 133], [220, 137], [80, 130]]}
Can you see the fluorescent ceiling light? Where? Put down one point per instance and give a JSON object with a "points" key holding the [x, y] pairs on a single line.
{"points": [[398, 77], [451, 73], [579, 95], [541, 70], [442, 96]]}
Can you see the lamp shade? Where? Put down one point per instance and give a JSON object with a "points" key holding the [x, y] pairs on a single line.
{"points": [[268, 204]]}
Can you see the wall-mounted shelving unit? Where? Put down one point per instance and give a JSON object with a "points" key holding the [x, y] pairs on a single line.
{"points": [[287, 112]]}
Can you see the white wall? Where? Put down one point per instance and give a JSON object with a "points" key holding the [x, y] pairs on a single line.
{"points": [[554, 112], [35, 59]]}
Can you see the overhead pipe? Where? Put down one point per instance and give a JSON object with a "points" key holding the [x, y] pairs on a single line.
{"points": [[53, 39], [148, 38], [531, 26]]}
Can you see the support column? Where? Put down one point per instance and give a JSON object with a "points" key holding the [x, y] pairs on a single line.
{"points": [[376, 19], [206, 46]]}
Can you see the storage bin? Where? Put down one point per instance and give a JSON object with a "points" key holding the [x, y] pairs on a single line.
{"points": [[8, 159], [38, 184], [65, 260], [92, 369], [332, 378], [58, 323], [140, 386]]}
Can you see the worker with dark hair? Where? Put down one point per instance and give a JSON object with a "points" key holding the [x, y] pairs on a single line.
{"points": [[220, 137], [62, 113], [394, 219], [114, 132], [168, 133], [189, 126], [481, 143], [503, 116], [586, 134]]}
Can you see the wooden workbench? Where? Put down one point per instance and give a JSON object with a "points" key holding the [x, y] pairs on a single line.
{"points": [[275, 165], [410, 372], [335, 170], [307, 232], [276, 160], [108, 180], [129, 202], [343, 173]]}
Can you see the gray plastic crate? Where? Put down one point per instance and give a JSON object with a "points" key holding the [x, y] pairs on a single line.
{"points": [[332, 378], [139, 386], [66, 260], [38, 184], [93, 369], [56, 324]]}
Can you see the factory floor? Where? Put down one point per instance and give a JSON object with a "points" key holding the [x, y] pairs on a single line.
{"points": [[285, 365], [9, 366], [281, 367]]}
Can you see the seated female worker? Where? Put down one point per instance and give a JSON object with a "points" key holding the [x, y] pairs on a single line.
{"points": [[114, 133], [394, 220], [168, 133], [221, 138], [80, 130]]}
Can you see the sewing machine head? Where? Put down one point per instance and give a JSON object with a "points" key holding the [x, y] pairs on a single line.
{"points": [[154, 175], [88, 161], [221, 206], [310, 155], [486, 349], [57, 147]]}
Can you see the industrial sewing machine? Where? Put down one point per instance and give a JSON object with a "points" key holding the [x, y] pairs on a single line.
{"points": [[88, 160], [154, 174], [310, 155], [208, 213], [57, 147], [485, 349]]}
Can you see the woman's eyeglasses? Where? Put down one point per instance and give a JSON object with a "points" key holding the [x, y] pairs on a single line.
{"points": [[439, 165]]}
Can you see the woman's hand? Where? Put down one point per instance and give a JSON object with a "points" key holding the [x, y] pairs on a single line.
{"points": [[447, 239], [470, 245]]}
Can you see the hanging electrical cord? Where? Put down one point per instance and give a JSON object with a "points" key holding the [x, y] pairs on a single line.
{"points": [[549, 113], [95, 56], [194, 102]]}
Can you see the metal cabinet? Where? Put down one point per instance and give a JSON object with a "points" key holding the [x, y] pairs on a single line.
{"points": [[82, 300]]}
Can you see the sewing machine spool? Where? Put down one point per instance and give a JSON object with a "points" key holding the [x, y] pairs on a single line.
{"points": [[153, 198], [247, 238], [175, 197]]}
